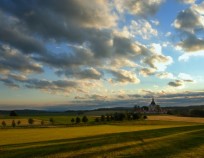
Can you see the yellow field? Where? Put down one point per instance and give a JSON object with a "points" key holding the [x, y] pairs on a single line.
{"points": [[176, 118], [24, 122], [175, 138], [15, 136]]}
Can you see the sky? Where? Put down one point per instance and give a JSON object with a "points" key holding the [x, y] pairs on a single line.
{"points": [[87, 54]]}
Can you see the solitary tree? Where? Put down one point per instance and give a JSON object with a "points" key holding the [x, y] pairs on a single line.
{"points": [[42, 122], [13, 124], [96, 119], [52, 121], [107, 117], [78, 120], [84, 119], [72, 120], [3, 124], [145, 117], [19, 122], [30, 121], [102, 118]]}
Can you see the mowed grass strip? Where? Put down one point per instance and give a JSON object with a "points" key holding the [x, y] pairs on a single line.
{"points": [[162, 142]]}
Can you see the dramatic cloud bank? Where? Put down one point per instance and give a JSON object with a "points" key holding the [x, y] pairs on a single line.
{"points": [[93, 50]]}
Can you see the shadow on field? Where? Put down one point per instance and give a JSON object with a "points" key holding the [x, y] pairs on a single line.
{"points": [[153, 143]]}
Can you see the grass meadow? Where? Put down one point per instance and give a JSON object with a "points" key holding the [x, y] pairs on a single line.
{"points": [[129, 139]]}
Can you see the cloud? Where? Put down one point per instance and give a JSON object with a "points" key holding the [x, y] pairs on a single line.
{"points": [[62, 87], [180, 83], [187, 1], [97, 97], [13, 60], [184, 76], [124, 76], [138, 7], [92, 46], [176, 83], [142, 28], [155, 22], [88, 73], [185, 57], [9, 83], [189, 20], [192, 44], [147, 71], [165, 75], [13, 32]]}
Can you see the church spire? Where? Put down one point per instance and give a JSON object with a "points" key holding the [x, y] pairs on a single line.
{"points": [[153, 102]]}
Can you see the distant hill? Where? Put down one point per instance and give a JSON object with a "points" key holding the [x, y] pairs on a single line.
{"points": [[30, 112]]}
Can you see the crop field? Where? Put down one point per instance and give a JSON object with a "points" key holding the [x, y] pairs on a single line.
{"points": [[176, 118], [146, 138], [63, 120]]}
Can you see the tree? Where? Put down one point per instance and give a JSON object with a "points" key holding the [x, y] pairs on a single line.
{"points": [[102, 118], [97, 119], [145, 108], [136, 116], [78, 120], [136, 107], [84, 119], [107, 117], [19, 122], [72, 120], [13, 113], [52, 121], [13, 124], [42, 122], [30, 121], [197, 113], [3, 124]]}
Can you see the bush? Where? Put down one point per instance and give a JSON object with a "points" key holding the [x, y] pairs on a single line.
{"points": [[72, 120], [13, 124], [13, 113], [78, 120], [102, 118], [42, 122], [97, 119], [51, 121], [19, 122], [197, 113], [84, 119], [136, 116], [30, 121], [3, 124]]}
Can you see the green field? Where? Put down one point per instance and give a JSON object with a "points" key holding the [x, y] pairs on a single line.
{"points": [[147, 138]]}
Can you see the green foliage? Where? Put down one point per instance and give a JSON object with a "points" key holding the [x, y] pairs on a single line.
{"points": [[102, 118], [42, 122], [97, 119], [13, 113], [84, 119], [3, 123], [72, 120], [197, 113], [13, 124], [78, 120], [51, 121], [19, 122], [30, 121]]}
